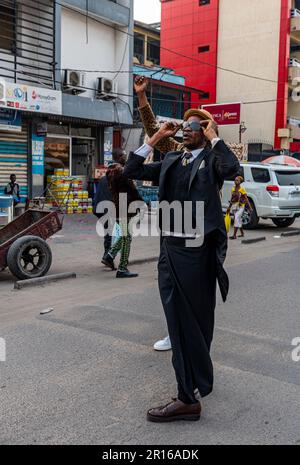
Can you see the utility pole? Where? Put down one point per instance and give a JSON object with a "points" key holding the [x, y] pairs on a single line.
{"points": [[242, 129]]}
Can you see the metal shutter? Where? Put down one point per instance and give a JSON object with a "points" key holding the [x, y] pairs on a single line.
{"points": [[13, 159]]}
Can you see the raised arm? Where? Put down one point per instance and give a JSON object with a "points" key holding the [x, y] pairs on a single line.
{"points": [[151, 126], [136, 168]]}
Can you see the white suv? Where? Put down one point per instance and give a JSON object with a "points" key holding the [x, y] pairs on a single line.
{"points": [[273, 190]]}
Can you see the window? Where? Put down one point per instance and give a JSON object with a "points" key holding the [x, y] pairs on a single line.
{"points": [[288, 178], [260, 175], [7, 27], [153, 51], [203, 49], [204, 2], [204, 96], [139, 42]]}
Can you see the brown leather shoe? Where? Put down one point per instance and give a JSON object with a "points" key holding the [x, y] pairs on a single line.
{"points": [[174, 411]]}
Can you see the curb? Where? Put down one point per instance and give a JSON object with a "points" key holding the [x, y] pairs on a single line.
{"points": [[43, 280], [291, 233], [253, 241], [140, 261]]}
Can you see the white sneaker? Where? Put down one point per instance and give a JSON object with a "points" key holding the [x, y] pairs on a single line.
{"points": [[164, 344]]}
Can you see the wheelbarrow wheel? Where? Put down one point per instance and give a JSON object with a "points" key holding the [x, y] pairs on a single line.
{"points": [[29, 257]]}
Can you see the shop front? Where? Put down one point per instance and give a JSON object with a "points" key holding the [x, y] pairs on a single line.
{"points": [[21, 148], [66, 150], [54, 138], [69, 164], [13, 150]]}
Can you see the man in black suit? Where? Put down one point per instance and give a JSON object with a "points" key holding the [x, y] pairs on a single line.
{"points": [[188, 272], [103, 194]]}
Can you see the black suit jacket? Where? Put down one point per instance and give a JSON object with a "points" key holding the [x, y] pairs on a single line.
{"points": [[221, 163]]}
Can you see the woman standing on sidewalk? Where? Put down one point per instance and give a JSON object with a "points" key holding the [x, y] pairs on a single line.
{"points": [[120, 184], [238, 202]]}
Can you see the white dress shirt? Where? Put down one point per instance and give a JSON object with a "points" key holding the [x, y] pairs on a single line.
{"points": [[146, 149]]}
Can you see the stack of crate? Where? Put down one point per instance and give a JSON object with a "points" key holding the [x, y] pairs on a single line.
{"points": [[67, 192]]}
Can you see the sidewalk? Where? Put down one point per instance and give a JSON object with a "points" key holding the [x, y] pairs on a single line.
{"points": [[79, 234], [77, 248]]}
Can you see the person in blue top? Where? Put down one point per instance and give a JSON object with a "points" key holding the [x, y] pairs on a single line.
{"points": [[13, 189]]}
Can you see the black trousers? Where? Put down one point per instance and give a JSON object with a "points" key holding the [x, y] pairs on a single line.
{"points": [[187, 284], [107, 243]]}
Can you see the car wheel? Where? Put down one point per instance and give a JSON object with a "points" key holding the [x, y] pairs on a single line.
{"points": [[253, 218], [283, 222], [29, 257]]}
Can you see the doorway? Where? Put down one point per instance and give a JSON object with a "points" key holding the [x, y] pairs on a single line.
{"points": [[57, 154]]}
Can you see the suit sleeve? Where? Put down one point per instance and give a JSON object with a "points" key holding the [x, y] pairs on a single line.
{"points": [[226, 164], [151, 127], [136, 168]]}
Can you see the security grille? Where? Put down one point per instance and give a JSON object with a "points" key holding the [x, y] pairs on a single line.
{"points": [[27, 41]]}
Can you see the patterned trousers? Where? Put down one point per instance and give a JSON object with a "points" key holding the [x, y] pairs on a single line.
{"points": [[123, 245]]}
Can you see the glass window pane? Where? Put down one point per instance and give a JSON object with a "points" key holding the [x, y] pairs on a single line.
{"points": [[288, 178], [261, 175]]}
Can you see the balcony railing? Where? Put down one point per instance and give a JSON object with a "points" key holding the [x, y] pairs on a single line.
{"points": [[27, 41]]}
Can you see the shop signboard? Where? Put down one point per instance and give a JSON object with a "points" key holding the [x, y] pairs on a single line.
{"points": [[225, 114], [108, 152], [29, 98], [10, 121], [38, 154]]}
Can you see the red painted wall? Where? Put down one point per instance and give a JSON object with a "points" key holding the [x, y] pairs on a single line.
{"points": [[284, 55], [186, 26]]}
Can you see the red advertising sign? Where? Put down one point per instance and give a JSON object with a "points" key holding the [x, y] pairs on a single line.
{"points": [[226, 113]]}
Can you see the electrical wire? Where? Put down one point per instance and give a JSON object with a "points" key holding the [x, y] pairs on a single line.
{"points": [[87, 16], [123, 59], [87, 22], [172, 51], [192, 102]]}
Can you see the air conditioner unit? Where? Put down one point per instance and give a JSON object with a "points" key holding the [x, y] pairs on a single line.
{"points": [[107, 89], [74, 81]]}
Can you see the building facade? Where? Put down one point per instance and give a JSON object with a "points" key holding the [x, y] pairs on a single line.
{"points": [[146, 44], [65, 83], [247, 52], [167, 93]]}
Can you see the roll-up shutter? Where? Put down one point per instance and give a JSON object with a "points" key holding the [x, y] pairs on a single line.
{"points": [[13, 159]]}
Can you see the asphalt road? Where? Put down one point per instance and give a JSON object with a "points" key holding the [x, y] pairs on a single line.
{"points": [[86, 372]]}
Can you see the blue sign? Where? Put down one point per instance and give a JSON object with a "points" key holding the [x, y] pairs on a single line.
{"points": [[10, 120], [38, 154]]}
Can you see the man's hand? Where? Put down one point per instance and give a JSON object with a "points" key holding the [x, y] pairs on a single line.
{"points": [[210, 129], [140, 84], [169, 129]]}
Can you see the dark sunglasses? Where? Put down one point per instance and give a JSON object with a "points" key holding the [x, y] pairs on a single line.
{"points": [[193, 125]]}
